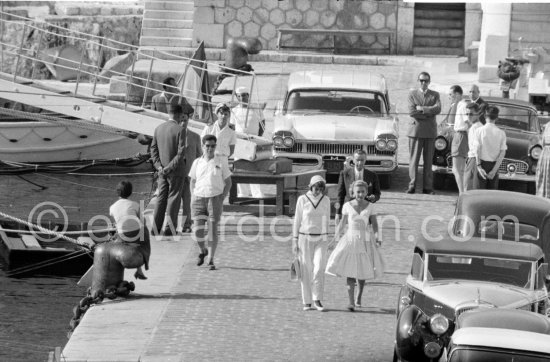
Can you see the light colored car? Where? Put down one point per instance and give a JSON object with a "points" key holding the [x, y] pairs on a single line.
{"points": [[450, 277], [333, 113]]}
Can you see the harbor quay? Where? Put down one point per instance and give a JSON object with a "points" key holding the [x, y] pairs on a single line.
{"points": [[249, 309]]}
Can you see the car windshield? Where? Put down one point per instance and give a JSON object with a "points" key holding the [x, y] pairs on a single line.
{"points": [[483, 355], [516, 118], [479, 268], [336, 101]]}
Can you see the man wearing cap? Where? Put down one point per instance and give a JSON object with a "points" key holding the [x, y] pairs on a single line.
{"points": [[168, 155], [225, 136], [247, 118], [349, 175], [470, 171], [489, 148], [193, 150]]}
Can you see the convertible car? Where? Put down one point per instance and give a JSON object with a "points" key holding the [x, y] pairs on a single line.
{"points": [[520, 121], [449, 278], [333, 113], [495, 214], [499, 335]]}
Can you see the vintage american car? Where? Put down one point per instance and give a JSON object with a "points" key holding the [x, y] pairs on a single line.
{"points": [[450, 277], [499, 335], [506, 215], [333, 113], [520, 121]]}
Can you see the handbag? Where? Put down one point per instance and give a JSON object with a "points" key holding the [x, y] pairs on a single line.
{"points": [[295, 270], [244, 150]]}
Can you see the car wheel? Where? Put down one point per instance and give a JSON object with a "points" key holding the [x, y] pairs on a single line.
{"points": [[439, 181], [385, 181]]}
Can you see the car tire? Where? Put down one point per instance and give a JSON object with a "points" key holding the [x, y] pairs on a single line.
{"points": [[439, 181], [385, 181]]}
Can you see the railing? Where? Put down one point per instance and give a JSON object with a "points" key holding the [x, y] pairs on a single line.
{"points": [[41, 44]]}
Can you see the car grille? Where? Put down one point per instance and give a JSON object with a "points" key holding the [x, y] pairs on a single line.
{"points": [[333, 149], [521, 166], [462, 310]]}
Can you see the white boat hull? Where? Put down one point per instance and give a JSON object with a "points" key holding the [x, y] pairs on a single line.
{"points": [[34, 142]]}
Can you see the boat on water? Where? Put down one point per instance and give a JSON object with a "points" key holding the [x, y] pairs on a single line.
{"points": [[24, 252]]}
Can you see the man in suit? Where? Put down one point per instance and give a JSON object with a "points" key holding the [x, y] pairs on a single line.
{"points": [[168, 155], [349, 175], [475, 98], [424, 105], [161, 101], [193, 150]]}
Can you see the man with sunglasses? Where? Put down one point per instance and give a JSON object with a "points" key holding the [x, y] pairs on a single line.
{"points": [[424, 105], [210, 184]]}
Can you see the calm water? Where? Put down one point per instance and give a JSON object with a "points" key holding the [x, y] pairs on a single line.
{"points": [[35, 311]]}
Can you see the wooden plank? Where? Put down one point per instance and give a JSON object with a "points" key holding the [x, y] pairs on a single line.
{"points": [[14, 243], [30, 241]]}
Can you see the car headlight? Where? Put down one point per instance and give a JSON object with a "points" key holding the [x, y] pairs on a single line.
{"points": [[288, 141], [392, 145], [381, 144], [535, 152], [440, 143], [439, 324], [278, 141]]}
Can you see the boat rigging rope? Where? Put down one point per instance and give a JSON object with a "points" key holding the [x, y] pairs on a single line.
{"points": [[46, 231]]}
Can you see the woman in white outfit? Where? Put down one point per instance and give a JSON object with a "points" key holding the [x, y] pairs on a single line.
{"points": [[310, 241]]}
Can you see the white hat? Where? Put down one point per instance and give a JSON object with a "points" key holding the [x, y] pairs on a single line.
{"points": [[315, 179], [221, 106], [242, 90]]}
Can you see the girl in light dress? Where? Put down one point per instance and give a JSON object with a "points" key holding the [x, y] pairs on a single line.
{"points": [[356, 256]]}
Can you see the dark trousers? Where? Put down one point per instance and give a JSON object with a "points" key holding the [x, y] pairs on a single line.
{"points": [[186, 202], [424, 146], [488, 184], [168, 202]]}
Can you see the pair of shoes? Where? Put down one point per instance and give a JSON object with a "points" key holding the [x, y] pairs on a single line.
{"points": [[410, 190], [351, 308], [211, 265], [186, 229], [307, 307], [317, 305], [428, 192], [141, 276], [200, 261]]}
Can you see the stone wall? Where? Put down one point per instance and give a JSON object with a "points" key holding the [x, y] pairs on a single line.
{"points": [[261, 18]]}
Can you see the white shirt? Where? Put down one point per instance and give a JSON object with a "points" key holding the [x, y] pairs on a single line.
{"points": [[358, 174], [238, 118], [461, 118], [226, 137], [126, 214], [489, 140], [309, 219], [209, 176], [471, 136]]}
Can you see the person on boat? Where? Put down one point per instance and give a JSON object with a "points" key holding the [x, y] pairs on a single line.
{"points": [[168, 155], [161, 101], [127, 217], [225, 135]]}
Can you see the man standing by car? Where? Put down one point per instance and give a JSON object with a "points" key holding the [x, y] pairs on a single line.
{"points": [[489, 148], [475, 98], [470, 171], [424, 105], [459, 146], [246, 117], [351, 174]]}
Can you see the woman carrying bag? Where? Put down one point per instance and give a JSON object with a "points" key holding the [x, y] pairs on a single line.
{"points": [[310, 241]]}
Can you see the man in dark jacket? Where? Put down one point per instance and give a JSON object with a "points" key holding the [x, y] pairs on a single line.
{"points": [[168, 155], [349, 175], [424, 105]]}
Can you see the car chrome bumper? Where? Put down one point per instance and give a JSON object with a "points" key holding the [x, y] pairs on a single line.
{"points": [[519, 177]]}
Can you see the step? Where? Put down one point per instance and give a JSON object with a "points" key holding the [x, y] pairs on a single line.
{"points": [[439, 24], [438, 51], [212, 54], [439, 14], [167, 32], [169, 5], [74, 8], [168, 15], [165, 41], [438, 42], [439, 33], [164, 23]]}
